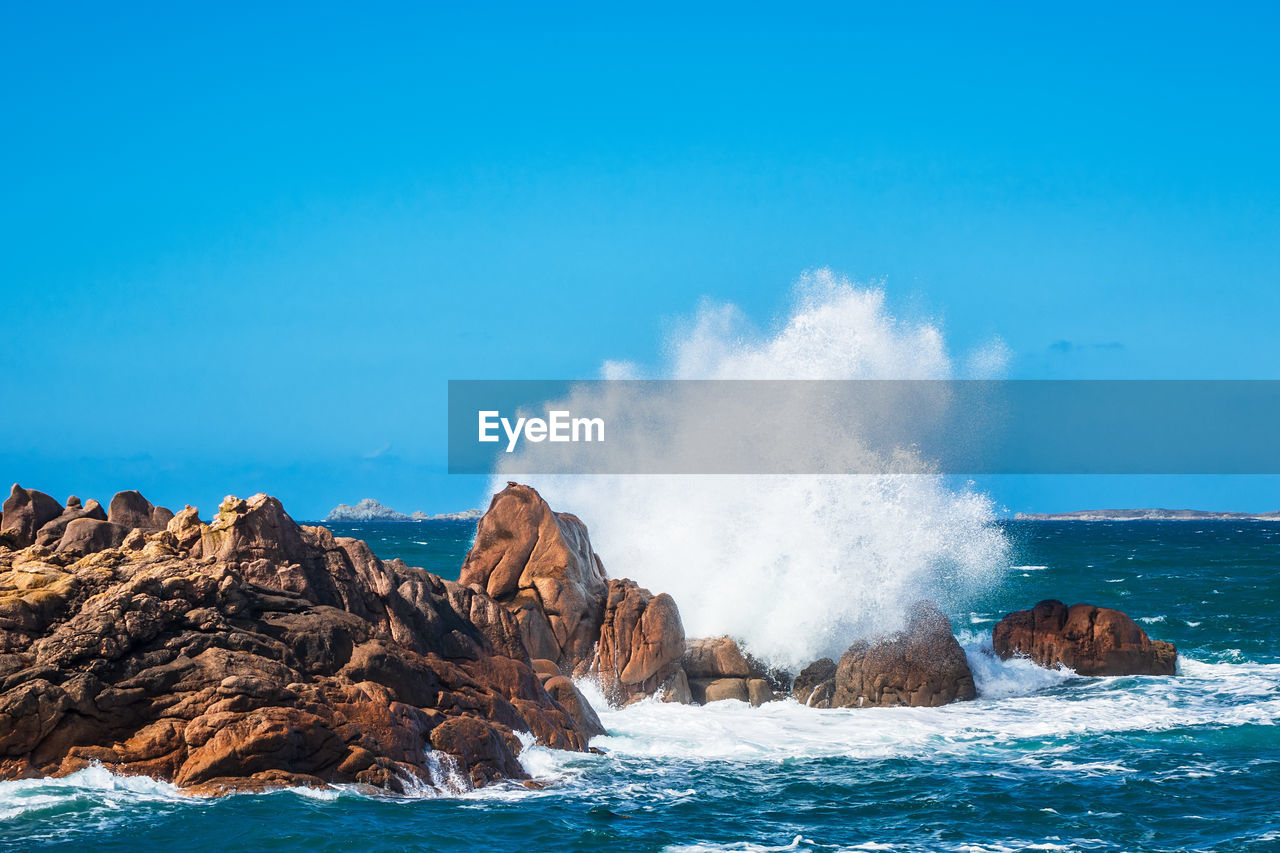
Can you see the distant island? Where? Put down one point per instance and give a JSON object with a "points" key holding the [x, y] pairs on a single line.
{"points": [[1146, 515], [370, 510]]}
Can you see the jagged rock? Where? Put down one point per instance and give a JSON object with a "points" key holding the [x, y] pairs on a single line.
{"points": [[923, 666], [539, 563], [25, 512], [641, 643], [130, 509], [1090, 640], [51, 533], [540, 566], [816, 684], [252, 653]]}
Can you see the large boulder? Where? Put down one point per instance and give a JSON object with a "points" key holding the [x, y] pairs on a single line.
{"points": [[718, 669], [539, 563], [25, 512], [1090, 640], [89, 535], [252, 653], [51, 533], [131, 510], [922, 666], [641, 643]]}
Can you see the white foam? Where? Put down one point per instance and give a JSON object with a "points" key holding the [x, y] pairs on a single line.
{"points": [[1017, 701], [796, 567], [95, 786]]}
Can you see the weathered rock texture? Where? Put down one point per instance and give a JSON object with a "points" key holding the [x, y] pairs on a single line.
{"points": [[923, 666], [641, 643], [717, 669], [25, 512], [253, 652], [1090, 640], [816, 684], [539, 565]]}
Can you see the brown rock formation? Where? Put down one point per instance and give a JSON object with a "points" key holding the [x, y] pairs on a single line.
{"points": [[641, 643], [51, 533], [816, 684], [131, 510], [717, 669], [923, 666], [539, 565], [1090, 640], [252, 652], [25, 512]]}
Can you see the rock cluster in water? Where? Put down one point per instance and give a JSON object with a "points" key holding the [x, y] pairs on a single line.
{"points": [[255, 652], [1090, 640], [251, 652]]}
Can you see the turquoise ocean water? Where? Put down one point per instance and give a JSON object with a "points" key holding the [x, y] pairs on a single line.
{"points": [[1042, 761]]}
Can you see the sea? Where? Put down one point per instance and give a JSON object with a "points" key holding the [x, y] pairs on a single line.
{"points": [[1043, 760]]}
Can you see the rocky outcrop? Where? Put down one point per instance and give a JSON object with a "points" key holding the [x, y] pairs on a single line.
{"points": [[252, 652], [641, 643], [1090, 640], [87, 535], [25, 512], [921, 666], [717, 669], [816, 684], [539, 564], [34, 518], [131, 510], [51, 533]]}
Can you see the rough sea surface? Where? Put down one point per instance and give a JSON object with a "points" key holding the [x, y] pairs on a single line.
{"points": [[1042, 761]]}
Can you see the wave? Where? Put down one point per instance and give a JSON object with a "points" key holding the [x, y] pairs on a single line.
{"points": [[795, 567], [1018, 702], [1025, 715]]}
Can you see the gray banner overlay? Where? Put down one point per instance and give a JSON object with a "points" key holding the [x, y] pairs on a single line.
{"points": [[970, 427]]}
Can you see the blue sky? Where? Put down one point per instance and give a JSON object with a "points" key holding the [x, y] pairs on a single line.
{"points": [[244, 249]]}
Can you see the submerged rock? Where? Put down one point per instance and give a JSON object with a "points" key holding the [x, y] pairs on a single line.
{"points": [[1090, 640], [252, 652]]}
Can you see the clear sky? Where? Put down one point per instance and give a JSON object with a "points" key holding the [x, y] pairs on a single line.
{"points": [[245, 245]]}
